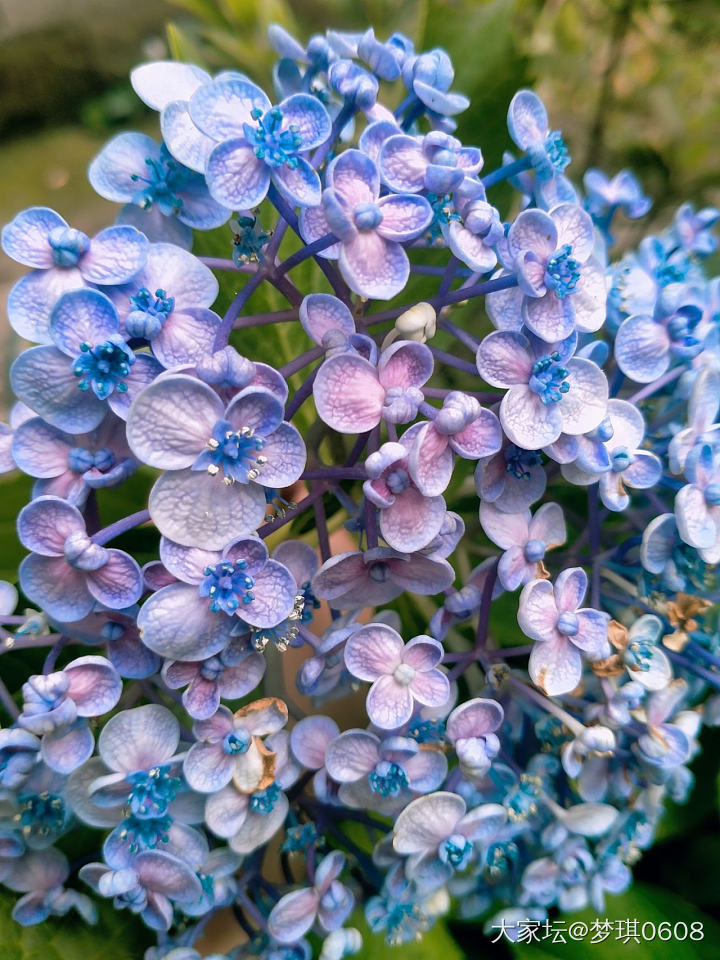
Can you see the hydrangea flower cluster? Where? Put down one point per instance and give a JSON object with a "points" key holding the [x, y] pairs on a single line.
{"points": [[304, 702]]}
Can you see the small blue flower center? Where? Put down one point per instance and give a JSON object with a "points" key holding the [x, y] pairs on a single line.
{"points": [[548, 378], [148, 313], [562, 272], [388, 779], [300, 837], [427, 731], [145, 834], [639, 654], [248, 240], [534, 551], [568, 624], [518, 461], [68, 245], [212, 669], [263, 801], [310, 602], [235, 452], [103, 368], [271, 144], [456, 851], [41, 814], [398, 480], [622, 458], [712, 494], [444, 212], [80, 459], [681, 328], [228, 586], [557, 151], [236, 742], [151, 792], [163, 180], [604, 430], [367, 216], [380, 572]]}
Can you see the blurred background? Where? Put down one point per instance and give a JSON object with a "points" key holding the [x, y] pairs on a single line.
{"points": [[631, 83]]}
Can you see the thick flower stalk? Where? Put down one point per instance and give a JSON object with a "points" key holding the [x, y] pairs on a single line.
{"points": [[486, 405]]}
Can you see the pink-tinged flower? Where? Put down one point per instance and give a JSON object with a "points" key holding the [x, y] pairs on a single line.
{"points": [[463, 428], [525, 540], [57, 706], [67, 573], [382, 774], [438, 827], [353, 395], [328, 901], [549, 615], [369, 228], [471, 730], [356, 579], [549, 391], [409, 520], [230, 747], [401, 674], [229, 675], [697, 505]]}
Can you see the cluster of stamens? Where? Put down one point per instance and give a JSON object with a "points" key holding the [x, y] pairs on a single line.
{"points": [[548, 378]]}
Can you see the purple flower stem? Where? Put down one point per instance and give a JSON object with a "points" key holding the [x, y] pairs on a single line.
{"points": [[428, 270], [461, 666], [507, 171], [415, 110], [547, 704], [11, 642], [511, 652], [121, 526], [8, 702], [264, 319], [302, 361], [222, 263], [287, 288], [485, 605], [453, 361], [336, 473], [452, 296], [658, 384], [339, 123], [322, 530], [301, 395], [251, 910], [710, 676], [304, 253], [52, 656], [279, 522], [427, 410], [371, 525], [467, 339], [358, 448], [225, 328], [392, 432], [697, 648], [448, 276]]}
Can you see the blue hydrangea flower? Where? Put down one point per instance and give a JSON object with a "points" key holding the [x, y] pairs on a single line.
{"points": [[89, 367], [167, 304], [164, 199], [67, 573], [71, 465], [219, 462], [328, 900], [529, 128], [370, 229], [429, 76], [218, 594], [382, 774], [56, 707], [258, 142], [623, 192], [549, 391], [40, 876], [63, 259], [524, 539], [697, 504]]}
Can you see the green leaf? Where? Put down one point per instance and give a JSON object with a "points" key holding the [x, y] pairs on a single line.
{"points": [[117, 936], [648, 905], [436, 944]]}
